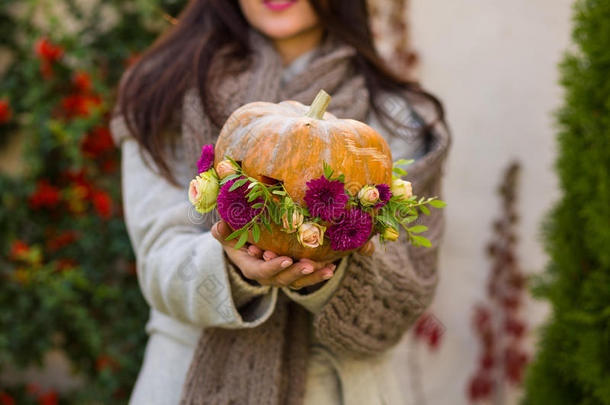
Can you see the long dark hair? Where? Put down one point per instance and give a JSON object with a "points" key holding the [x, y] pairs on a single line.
{"points": [[149, 94]]}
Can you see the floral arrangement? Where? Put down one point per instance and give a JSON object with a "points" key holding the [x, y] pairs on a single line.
{"points": [[331, 213]]}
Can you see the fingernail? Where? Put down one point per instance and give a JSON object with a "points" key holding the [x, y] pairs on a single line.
{"points": [[286, 263], [327, 275], [307, 270]]}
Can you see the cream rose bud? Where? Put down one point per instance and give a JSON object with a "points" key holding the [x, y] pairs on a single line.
{"points": [[294, 224], [390, 234], [368, 195], [203, 191], [311, 235], [402, 189], [225, 168]]}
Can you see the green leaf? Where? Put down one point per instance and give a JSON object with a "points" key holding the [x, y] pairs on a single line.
{"points": [[279, 192], [424, 209], [242, 240], [235, 234], [418, 229], [258, 205], [409, 219], [229, 178], [421, 240], [437, 203], [403, 162], [256, 232], [328, 171], [238, 184], [253, 196], [399, 171]]}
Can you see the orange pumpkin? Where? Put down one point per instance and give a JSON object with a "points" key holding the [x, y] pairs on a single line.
{"points": [[288, 142]]}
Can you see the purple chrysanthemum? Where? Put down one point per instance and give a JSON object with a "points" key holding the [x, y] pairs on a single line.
{"points": [[384, 195], [351, 231], [207, 158], [325, 199], [233, 206]]}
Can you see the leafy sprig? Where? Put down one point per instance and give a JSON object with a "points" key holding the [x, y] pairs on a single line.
{"points": [[328, 173], [268, 209], [276, 202]]}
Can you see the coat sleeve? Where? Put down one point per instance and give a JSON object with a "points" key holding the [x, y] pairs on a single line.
{"points": [[182, 270], [381, 296]]}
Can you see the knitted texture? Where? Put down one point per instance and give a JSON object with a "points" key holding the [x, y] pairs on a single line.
{"points": [[247, 366]]}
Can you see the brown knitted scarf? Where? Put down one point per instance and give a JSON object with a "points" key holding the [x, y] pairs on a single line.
{"points": [[267, 364]]}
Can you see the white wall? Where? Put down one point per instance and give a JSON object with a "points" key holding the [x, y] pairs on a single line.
{"points": [[494, 64]]}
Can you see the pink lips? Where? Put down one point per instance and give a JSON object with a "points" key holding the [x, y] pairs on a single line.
{"points": [[278, 5]]}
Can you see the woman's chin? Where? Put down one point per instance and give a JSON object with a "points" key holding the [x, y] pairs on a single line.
{"points": [[283, 31]]}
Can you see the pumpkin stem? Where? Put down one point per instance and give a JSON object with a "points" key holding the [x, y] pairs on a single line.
{"points": [[319, 105]]}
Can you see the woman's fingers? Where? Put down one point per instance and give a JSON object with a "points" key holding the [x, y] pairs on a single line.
{"points": [[316, 265], [316, 277], [269, 255], [293, 273], [301, 269], [268, 269], [220, 231], [255, 251]]}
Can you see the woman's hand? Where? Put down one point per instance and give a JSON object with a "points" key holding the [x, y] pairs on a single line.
{"points": [[267, 268]]}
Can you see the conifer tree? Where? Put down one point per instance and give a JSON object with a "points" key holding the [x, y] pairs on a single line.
{"points": [[572, 365]]}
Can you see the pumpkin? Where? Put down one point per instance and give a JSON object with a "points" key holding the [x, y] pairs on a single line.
{"points": [[288, 142]]}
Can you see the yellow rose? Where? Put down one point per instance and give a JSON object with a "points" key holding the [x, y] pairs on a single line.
{"points": [[311, 235], [402, 189], [294, 224], [225, 168], [368, 195], [203, 191], [390, 234]]}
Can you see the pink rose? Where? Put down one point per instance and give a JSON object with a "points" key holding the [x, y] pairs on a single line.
{"points": [[203, 191], [402, 189], [368, 195], [225, 168], [311, 235], [294, 224]]}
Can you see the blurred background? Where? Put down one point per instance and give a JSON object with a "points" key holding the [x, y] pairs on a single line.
{"points": [[71, 315]]}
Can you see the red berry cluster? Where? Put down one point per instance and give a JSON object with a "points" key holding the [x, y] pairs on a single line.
{"points": [[6, 112], [49, 54], [498, 324], [35, 392]]}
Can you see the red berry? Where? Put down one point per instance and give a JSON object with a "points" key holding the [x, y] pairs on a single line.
{"points": [[6, 113]]}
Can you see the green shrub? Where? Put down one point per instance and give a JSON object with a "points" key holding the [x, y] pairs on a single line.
{"points": [[573, 362], [67, 278]]}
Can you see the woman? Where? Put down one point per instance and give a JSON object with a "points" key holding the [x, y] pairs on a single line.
{"points": [[245, 326]]}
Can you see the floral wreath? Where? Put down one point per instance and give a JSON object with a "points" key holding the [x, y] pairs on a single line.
{"points": [[331, 215]]}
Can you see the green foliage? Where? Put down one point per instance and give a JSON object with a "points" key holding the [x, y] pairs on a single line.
{"points": [[573, 362], [67, 278]]}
